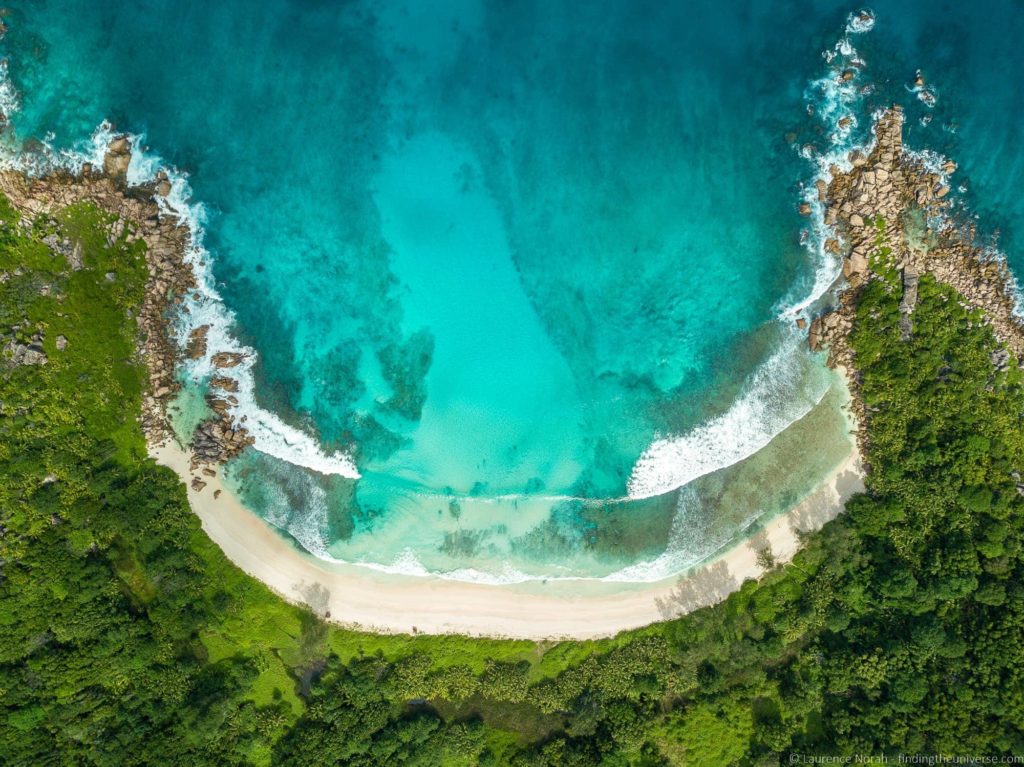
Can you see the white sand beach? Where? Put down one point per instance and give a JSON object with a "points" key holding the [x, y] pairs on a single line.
{"points": [[358, 597]]}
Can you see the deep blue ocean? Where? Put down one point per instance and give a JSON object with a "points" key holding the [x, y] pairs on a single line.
{"points": [[530, 270]]}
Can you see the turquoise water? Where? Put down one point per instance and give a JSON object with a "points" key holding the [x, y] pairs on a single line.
{"points": [[526, 269]]}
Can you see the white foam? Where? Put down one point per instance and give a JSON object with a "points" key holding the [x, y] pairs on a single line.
{"points": [[407, 563], [692, 541], [205, 307], [834, 102], [273, 436], [860, 22], [932, 161], [926, 94], [9, 101], [308, 528]]}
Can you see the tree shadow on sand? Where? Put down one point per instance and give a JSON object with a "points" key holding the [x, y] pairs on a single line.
{"points": [[825, 505], [312, 650], [762, 548], [697, 589], [316, 596]]}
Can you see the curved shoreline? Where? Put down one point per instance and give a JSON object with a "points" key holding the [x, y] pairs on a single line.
{"points": [[866, 204], [357, 596], [360, 598]]}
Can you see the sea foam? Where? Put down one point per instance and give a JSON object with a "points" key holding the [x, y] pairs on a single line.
{"points": [[860, 22]]}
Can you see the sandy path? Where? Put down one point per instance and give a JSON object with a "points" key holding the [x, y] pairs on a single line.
{"points": [[362, 598]]}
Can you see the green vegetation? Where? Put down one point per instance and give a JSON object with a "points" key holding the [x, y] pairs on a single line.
{"points": [[127, 638]]}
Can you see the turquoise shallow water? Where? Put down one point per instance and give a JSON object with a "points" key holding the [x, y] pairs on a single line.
{"points": [[524, 262]]}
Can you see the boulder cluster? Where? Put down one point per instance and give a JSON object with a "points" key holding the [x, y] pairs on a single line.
{"points": [[220, 437], [170, 278], [196, 347], [217, 439], [891, 205], [30, 352]]}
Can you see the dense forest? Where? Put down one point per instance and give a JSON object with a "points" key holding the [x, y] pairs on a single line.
{"points": [[127, 638]]}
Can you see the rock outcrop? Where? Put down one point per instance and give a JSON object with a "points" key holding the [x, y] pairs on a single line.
{"points": [[227, 359], [17, 353], [196, 348], [118, 158], [908, 301], [224, 383], [217, 439]]}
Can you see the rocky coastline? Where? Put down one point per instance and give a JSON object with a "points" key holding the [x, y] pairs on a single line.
{"points": [[892, 206], [139, 216]]}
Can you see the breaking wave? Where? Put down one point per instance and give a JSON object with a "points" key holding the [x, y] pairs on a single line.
{"points": [[783, 390]]}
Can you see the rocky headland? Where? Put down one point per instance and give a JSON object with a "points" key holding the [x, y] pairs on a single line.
{"points": [[892, 205], [139, 216]]}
